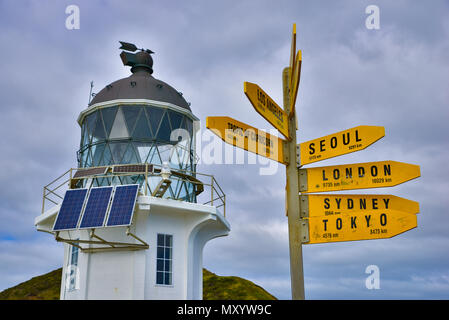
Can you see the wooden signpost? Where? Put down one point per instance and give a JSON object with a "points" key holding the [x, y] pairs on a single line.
{"points": [[322, 218]]}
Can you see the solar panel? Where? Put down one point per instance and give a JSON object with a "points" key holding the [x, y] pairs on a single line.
{"points": [[89, 172], [122, 207], [70, 210], [132, 168], [96, 207]]}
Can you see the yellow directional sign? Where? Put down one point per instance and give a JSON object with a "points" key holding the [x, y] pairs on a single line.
{"points": [[356, 176], [247, 137], [293, 48], [340, 143], [296, 75], [359, 226], [315, 205], [295, 69], [267, 108]]}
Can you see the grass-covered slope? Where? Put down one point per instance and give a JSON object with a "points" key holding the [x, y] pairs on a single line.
{"points": [[231, 288], [47, 287]]}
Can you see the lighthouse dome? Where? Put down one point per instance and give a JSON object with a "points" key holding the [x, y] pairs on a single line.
{"points": [[141, 85], [138, 120]]}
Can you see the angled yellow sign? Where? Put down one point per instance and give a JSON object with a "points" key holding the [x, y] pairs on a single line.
{"points": [[295, 69], [315, 205], [293, 48], [296, 75], [359, 226], [247, 137], [339, 143], [356, 176], [267, 108]]}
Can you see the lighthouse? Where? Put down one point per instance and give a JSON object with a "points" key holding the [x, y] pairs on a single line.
{"points": [[134, 215]]}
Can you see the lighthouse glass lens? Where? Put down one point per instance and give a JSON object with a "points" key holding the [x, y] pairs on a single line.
{"points": [[135, 134]]}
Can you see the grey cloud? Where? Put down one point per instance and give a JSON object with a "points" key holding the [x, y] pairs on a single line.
{"points": [[395, 77]]}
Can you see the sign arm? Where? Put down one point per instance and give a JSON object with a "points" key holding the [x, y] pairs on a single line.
{"points": [[295, 78], [293, 50]]}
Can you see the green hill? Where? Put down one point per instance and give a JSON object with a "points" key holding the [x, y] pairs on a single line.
{"points": [[231, 288], [47, 287]]}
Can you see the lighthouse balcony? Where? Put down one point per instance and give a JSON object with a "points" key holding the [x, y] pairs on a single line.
{"points": [[153, 180], [159, 192]]}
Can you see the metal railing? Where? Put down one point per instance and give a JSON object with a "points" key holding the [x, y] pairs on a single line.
{"points": [[206, 191]]}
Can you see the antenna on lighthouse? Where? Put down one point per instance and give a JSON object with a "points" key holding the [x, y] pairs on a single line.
{"points": [[90, 93]]}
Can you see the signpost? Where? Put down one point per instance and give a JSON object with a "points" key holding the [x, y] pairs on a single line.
{"points": [[337, 144], [267, 108], [293, 205], [365, 225], [247, 137], [322, 218], [357, 176]]}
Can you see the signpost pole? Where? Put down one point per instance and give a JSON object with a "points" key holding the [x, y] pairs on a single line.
{"points": [[371, 224], [293, 201]]}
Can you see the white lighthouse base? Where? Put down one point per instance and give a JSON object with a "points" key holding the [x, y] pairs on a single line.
{"points": [[131, 273]]}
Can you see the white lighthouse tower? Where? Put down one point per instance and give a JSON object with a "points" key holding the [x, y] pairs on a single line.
{"points": [[135, 215]]}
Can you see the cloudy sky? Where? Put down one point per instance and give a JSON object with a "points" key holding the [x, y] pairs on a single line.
{"points": [[396, 76]]}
